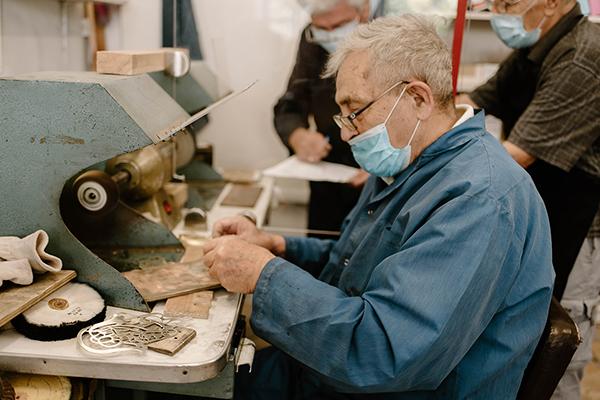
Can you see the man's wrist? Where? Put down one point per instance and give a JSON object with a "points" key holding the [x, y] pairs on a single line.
{"points": [[294, 137], [259, 270]]}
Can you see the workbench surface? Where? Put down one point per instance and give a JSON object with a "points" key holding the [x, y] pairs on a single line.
{"points": [[201, 359]]}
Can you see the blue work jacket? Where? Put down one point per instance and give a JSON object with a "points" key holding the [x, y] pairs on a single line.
{"points": [[438, 287]]}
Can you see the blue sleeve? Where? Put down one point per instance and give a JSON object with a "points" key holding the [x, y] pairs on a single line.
{"points": [[439, 291], [310, 254]]}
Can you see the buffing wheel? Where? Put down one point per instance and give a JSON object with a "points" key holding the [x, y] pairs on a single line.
{"points": [[96, 192], [62, 314]]}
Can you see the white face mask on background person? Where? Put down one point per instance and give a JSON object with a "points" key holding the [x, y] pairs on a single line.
{"points": [[511, 30], [330, 40]]}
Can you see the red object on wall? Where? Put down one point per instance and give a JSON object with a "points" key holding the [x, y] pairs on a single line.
{"points": [[459, 30]]}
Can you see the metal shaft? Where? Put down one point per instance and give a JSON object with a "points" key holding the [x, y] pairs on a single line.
{"points": [[277, 229]]}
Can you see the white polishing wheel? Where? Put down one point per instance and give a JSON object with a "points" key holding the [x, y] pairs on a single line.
{"points": [[62, 314]]}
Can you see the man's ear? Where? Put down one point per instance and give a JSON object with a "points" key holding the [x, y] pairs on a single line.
{"points": [[422, 99]]}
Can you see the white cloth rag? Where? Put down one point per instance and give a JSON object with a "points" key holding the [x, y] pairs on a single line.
{"points": [[33, 249], [17, 271]]}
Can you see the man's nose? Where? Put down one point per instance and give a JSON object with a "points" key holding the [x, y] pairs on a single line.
{"points": [[347, 134]]}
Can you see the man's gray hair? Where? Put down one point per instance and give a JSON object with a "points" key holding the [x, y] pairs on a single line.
{"points": [[320, 6], [405, 47]]}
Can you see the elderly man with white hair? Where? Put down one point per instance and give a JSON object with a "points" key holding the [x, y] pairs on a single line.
{"points": [[309, 97], [440, 283]]}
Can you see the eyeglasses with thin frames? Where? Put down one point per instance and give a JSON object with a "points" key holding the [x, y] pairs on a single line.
{"points": [[347, 121]]}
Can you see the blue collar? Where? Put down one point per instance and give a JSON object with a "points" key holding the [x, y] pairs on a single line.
{"points": [[455, 137]]}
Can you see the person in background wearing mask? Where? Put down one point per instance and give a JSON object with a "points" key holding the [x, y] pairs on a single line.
{"points": [[309, 96], [440, 283], [547, 94]]}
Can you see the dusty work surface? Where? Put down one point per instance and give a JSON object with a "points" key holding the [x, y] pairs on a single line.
{"points": [[201, 359]]}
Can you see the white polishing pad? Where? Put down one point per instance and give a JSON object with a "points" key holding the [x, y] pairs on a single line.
{"points": [[73, 302], [61, 314]]}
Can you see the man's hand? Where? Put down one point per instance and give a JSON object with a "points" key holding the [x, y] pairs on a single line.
{"points": [[310, 146], [245, 229], [236, 263], [359, 179], [238, 225], [523, 158]]}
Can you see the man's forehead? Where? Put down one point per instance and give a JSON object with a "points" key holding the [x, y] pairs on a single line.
{"points": [[353, 79]]}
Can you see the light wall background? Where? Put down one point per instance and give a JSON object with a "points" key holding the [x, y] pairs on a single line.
{"points": [[37, 35], [242, 41], [246, 40]]}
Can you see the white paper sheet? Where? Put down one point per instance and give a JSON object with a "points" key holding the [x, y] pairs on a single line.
{"points": [[292, 167]]}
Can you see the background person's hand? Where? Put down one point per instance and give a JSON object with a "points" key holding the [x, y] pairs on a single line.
{"points": [[236, 263], [359, 179], [309, 146]]}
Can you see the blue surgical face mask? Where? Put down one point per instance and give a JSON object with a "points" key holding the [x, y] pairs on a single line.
{"points": [[511, 31], [374, 152], [330, 40]]}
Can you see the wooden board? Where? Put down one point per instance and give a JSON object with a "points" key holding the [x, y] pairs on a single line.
{"points": [[242, 196], [171, 280], [172, 345], [16, 299], [129, 62], [196, 305]]}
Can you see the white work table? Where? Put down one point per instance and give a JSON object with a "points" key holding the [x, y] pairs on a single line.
{"points": [[201, 359]]}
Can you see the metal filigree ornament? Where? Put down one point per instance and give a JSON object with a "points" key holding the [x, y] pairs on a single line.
{"points": [[125, 333]]}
